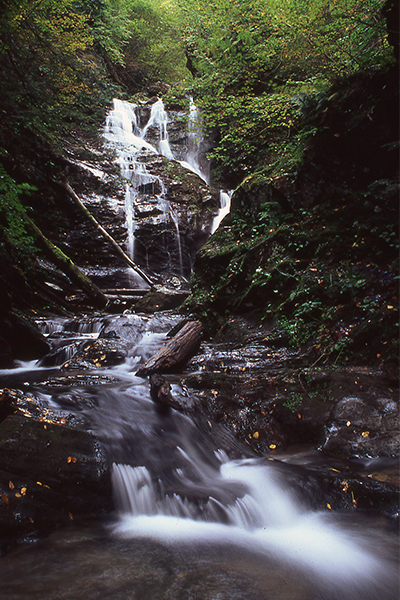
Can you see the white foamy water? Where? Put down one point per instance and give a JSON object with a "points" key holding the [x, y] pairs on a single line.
{"points": [[267, 520]]}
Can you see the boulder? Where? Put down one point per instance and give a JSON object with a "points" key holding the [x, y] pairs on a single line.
{"points": [[363, 428], [53, 472]]}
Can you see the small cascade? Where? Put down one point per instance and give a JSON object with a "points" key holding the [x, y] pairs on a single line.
{"points": [[264, 517], [225, 207], [67, 336], [178, 490], [158, 116], [194, 136]]}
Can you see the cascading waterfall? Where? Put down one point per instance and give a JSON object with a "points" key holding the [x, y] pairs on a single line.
{"points": [[194, 136], [265, 518], [158, 116], [123, 132]]}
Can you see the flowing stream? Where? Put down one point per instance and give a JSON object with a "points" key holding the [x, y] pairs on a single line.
{"points": [[197, 516]]}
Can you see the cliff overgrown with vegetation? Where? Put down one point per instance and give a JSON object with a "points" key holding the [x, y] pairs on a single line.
{"points": [[299, 100]]}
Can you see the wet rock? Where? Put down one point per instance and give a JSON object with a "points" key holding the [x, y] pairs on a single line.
{"points": [[100, 353], [52, 474], [117, 337], [336, 486], [162, 298], [363, 428], [160, 391]]}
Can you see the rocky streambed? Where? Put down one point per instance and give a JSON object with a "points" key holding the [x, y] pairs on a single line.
{"points": [[254, 396]]}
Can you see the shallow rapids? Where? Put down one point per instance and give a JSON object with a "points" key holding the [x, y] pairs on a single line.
{"points": [[196, 515]]}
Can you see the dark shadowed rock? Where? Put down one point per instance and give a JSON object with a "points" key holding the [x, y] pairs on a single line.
{"points": [[363, 428], [161, 298], [20, 339], [52, 473], [160, 391]]}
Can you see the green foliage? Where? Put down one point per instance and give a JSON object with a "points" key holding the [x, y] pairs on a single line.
{"points": [[256, 64], [12, 223], [141, 35]]}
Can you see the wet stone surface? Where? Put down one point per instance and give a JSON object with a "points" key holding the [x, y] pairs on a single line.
{"points": [[53, 470]]}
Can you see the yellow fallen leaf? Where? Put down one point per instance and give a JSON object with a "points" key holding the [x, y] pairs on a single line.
{"points": [[18, 495], [272, 446], [71, 459], [335, 470], [345, 485], [23, 491], [38, 483], [348, 423], [256, 435], [70, 516], [329, 506], [11, 485], [365, 434]]}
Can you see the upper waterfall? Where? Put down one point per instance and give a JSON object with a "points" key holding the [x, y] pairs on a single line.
{"points": [[164, 226]]}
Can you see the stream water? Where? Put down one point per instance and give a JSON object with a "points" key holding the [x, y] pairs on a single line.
{"points": [[196, 516]]}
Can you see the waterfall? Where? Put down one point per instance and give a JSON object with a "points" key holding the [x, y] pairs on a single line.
{"points": [[122, 131], [158, 116], [194, 136]]}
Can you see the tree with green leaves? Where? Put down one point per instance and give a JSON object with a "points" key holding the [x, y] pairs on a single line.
{"points": [[255, 63]]}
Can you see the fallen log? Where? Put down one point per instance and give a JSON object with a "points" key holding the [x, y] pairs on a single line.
{"points": [[65, 264], [105, 233], [175, 352]]}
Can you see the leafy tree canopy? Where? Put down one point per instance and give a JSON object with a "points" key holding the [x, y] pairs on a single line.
{"points": [[256, 62]]}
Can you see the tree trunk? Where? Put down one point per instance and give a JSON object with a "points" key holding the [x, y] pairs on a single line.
{"points": [[175, 352], [105, 234], [65, 264]]}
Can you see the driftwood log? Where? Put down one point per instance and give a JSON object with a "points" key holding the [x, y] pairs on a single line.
{"points": [[175, 352]]}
